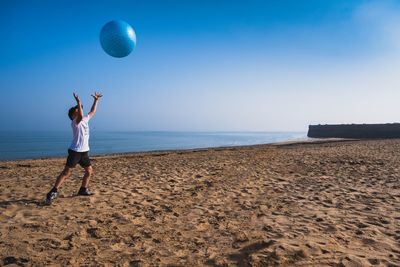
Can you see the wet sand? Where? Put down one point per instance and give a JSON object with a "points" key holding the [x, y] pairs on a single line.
{"points": [[307, 204]]}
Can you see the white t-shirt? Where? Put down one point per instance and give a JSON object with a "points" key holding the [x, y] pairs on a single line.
{"points": [[80, 133]]}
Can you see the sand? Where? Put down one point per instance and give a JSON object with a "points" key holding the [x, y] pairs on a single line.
{"points": [[324, 204]]}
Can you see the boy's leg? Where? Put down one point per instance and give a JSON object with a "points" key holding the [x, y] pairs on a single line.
{"points": [[84, 191], [86, 177], [85, 163], [61, 178], [72, 160]]}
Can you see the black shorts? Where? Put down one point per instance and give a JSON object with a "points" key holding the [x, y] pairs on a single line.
{"points": [[78, 157]]}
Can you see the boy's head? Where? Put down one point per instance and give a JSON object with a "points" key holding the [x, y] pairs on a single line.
{"points": [[72, 112]]}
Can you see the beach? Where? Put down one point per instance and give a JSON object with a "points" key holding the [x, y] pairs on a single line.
{"points": [[332, 203]]}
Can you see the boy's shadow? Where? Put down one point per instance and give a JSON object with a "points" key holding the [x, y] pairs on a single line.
{"points": [[26, 202], [22, 202]]}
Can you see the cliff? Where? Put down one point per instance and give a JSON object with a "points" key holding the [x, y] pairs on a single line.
{"points": [[388, 130]]}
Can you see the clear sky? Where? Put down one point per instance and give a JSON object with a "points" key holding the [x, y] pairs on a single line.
{"points": [[207, 65]]}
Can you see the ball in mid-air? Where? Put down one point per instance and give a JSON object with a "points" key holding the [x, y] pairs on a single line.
{"points": [[117, 38]]}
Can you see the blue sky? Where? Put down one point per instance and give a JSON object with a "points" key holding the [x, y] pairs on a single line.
{"points": [[202, 65]]}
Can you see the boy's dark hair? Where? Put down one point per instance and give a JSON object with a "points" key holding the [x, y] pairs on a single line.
{"points": [[71, 112]]}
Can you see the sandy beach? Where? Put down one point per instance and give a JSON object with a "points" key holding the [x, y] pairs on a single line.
{"points": [[308, 204]]}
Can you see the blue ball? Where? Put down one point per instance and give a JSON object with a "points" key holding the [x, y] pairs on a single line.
{"points": [[117, 38]]}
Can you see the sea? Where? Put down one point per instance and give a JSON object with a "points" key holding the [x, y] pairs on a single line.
{"points": [[34, 144]]}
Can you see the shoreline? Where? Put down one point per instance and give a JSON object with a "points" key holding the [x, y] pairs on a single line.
{"points": [[34, 145], [166, 151]]}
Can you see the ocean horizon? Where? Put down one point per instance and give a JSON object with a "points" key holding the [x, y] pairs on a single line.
{"points": [[16, 145]]}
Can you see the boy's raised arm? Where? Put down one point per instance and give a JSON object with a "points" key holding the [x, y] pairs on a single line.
{"points": [[96, 98], [80, 110]]}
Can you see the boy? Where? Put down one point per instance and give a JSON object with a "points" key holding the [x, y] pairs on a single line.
{"points": [[78, 152]]}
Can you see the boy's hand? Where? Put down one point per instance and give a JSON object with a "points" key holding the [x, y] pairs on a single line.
{"points": [[77, 98], [97, 95]]}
